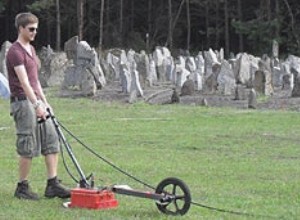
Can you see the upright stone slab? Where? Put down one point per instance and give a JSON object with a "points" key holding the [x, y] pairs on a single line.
{"points": [[125, 77], [199, 73], [244, 75], [252, 101], [277, 76], [96, 70], [188, 87], [70, 78], [190, 64], [296, 89], [105, 67], [166, 52], [277, 72], [114, 66], [58, 65], [181, 62], [207, 64], [275, 49], [53, 67], [295, 68], [86, 74], [241, 92], [286, 67], [199, 60], [221, 55], [265, 63], [135, 82], [181, 75], [162, 71], [152, 77], [265, 66], [142, 63], [130, 59], [294, 65], [287, 82], [181, 72], [226, 79], [158, 56], [45, 56], [175, 96], [178, 78], [213, 56], [287, 76], [234, 64], [259, 82], [254, 66], [147, 67], [158, 59], [211, 82], [269, 89], [198, 79], [83, 60], [88, 58], [4, 49], [88, 85], [70, 48], [170, 68], [123, 57]]}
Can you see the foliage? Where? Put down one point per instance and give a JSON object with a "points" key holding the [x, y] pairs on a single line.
{"points": [[1, 6], [258, 33], [136, 41], [41, 5], [261, 23]]}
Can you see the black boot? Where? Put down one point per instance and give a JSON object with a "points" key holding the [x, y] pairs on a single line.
{"points": [[23, 191], [56, 189]]}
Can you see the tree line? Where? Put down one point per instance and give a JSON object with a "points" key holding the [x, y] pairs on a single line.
{"points": [[189, 25]]}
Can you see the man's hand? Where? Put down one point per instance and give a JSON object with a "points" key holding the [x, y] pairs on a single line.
{"points": [[41, 112], [49, 109]]}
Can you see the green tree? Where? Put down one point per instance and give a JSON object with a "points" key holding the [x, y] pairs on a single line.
{"points": [[46, 13], [1, 6], [235, 25]]}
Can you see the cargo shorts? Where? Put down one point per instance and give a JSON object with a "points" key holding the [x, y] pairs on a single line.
{"points": [[33, 138]]}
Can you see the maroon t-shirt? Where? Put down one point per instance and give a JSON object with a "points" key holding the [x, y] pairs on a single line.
{"points": [[17, 56]]}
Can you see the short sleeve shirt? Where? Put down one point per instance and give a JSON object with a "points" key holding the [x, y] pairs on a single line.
{"points": [[16, 56]]}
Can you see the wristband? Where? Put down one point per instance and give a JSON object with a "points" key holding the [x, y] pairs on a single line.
{"points": [[37, 104]]}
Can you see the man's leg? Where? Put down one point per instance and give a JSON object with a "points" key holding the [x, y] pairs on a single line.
{"points": [[50, 148], [24, 117], [24, 168], [54, 187], [23, 190], [51, 161]]}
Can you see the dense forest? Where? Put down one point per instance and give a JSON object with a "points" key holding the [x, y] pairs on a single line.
{"points": [[189, 25]]}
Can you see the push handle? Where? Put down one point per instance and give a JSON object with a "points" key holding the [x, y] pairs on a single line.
{"points": [[41, 120]]}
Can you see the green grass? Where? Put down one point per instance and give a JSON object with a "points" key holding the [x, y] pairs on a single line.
{"points": [[239, 160]]}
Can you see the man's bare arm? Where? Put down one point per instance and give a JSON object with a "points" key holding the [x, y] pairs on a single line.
{"points": [[22, 75]]}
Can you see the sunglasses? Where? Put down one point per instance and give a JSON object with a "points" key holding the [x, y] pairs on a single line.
{"points": [[32, 29]]}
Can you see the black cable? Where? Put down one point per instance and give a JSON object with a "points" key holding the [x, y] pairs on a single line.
{"points": [[231, 211], [154, 188], [105, 160], [65, 164]]}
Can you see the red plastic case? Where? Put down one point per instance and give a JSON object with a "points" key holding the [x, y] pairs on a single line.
{"points": [[92, 199]]}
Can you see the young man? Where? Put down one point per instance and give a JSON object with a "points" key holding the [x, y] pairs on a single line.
{"points": [[28, 103]]}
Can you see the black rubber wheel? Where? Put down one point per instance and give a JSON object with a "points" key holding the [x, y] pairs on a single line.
{"points": [[182, 201]]}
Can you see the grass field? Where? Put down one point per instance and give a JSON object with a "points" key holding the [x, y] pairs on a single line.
{"points": [[238, 160]]}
